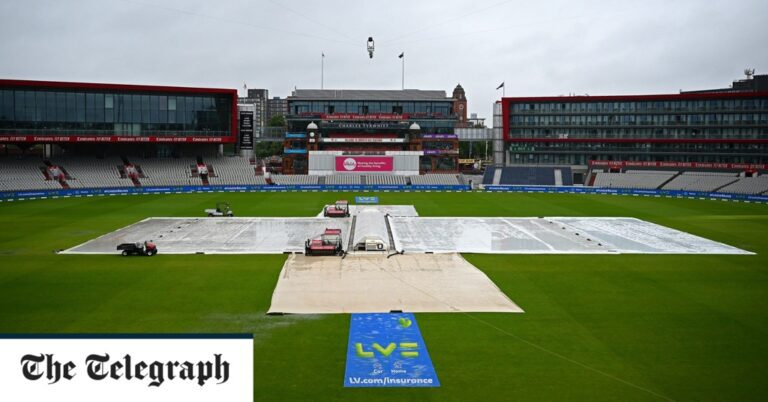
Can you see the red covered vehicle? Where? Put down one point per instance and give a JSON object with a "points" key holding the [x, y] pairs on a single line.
{"points": [[338, 210], [328, 243]]}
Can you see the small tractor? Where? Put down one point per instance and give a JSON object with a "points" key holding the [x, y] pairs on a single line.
{"points": [[338, 210], [147, 248], [328, 243], [222, 209]]}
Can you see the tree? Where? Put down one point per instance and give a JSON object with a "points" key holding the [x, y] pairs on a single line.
{"points": [[276, 121], [264, 149]]}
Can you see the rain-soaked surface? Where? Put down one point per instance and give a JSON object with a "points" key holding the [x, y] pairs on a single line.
{"points": [[411, 233], [545, 235]]}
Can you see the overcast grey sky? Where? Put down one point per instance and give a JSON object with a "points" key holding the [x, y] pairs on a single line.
{"points": [[548, 47]]}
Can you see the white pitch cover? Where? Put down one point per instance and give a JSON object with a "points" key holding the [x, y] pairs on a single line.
{"points": [[77, 369]]}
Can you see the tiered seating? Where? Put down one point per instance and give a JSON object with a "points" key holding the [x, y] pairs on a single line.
{"points": [[488, 175], [636, 180], [343, 179], [298, 179], [233, 170], [630, 171], [700, 181], [566, 175], [24, 174], [167, 172], [386, 179], [435, 179], [747, 185], [94, 173], [541, 176]]}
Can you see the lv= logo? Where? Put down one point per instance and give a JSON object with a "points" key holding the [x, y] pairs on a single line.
{"points": [[407, 349]]}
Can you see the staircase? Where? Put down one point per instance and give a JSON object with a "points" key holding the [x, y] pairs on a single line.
{"points": [[591, 179], [497, 176], [670, 179]]}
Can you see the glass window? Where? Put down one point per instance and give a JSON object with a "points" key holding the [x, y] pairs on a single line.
{"points": [[6, 105], [71, 112], [20, 110], [90, 108], [99, 108], [39, 108], [80, 107]]}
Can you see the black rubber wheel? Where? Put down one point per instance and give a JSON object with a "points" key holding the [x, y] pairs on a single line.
{"points": [[125, 252]]}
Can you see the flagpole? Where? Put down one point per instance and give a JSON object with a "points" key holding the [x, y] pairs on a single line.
{"points": [[403, 74], [322, 69]]}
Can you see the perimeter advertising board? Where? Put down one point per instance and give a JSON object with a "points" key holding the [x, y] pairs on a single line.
{"points": [[348, 164]]}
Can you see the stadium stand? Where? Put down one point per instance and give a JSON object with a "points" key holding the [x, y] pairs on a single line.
{"points": [[529, 176], [435, 179], [488, 175], [120, 172], [233, 170], [298, 179], [637, 180], [94, 173], [24, 174], [343, 179], [168, 172], [382, 179], [747, 185], [700, 181]]}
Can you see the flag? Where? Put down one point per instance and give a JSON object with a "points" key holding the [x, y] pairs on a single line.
{"points": [[323, 53], [401, 55], [245, 87], [500, 86]]}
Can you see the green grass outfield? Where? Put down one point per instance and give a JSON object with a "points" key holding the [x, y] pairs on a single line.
{"points": [[614, 327]]}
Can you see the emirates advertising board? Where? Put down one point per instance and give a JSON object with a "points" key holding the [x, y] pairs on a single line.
{"points": [[349, 164]]}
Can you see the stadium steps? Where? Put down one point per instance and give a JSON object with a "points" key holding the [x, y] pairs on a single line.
{"points": [[726, 185], [321, 180], [363, 180], [591, 179], [670, 179], [497, 176], [558, 177], [46, 173]]}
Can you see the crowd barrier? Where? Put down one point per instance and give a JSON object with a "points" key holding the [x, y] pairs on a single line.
{"points": [[621, 191], [34, 194]]}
